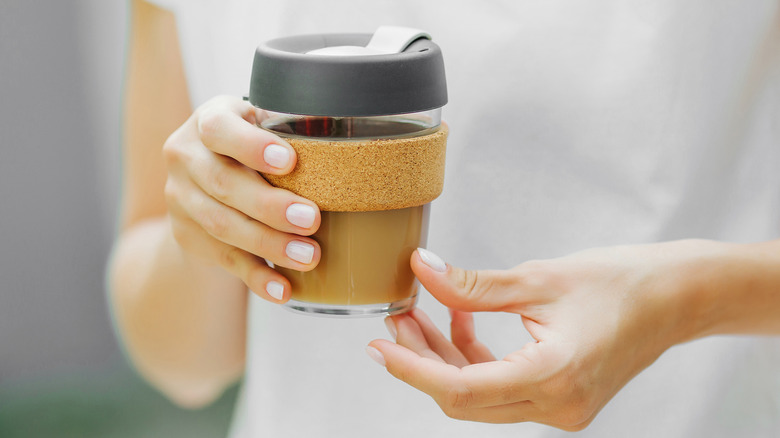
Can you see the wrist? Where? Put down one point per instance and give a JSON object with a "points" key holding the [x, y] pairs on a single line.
{"points": [[731, 289]]}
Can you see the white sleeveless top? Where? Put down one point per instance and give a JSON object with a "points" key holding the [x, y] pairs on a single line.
{"points": [[574, 124]]}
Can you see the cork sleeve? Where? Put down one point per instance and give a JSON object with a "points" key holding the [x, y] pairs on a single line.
{"points": [[367, 175]]}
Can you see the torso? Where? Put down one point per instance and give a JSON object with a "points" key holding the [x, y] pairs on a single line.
{"points": [[573, 125]]}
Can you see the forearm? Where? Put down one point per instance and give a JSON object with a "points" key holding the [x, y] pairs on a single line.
{"points": [[735, 289], [182, 323]]}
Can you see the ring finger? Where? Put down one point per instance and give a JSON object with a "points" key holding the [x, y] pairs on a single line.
{"points": [[236, 229], [243, 189]]}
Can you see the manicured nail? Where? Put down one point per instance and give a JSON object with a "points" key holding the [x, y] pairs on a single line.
{"points": [[432, 260], [391, 328], [301, 215], [375, 354], [275, 289], [300, 251], [276, 156]]}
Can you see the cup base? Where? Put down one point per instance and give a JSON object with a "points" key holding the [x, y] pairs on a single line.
{"points": [[347, 311]]}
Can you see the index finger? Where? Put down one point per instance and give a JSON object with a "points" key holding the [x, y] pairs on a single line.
{"points": [[227, 127], [473, 386]]}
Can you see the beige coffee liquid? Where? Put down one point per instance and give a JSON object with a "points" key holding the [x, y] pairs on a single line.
{"points": [[365, 257]]}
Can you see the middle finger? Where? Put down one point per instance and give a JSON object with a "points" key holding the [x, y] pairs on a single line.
{"points": [[236, 229], [474, 386], [243, 189]]}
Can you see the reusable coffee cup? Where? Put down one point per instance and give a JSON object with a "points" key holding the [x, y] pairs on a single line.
{"points": [[363, 113]]}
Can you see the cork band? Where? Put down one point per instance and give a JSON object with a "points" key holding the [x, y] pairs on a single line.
{"points": [[368, 175]]}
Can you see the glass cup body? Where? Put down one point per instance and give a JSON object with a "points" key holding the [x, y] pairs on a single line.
{"points": [[364, 266]]}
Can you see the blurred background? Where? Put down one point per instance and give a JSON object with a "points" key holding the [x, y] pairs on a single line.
{"points": [[62, 373]]}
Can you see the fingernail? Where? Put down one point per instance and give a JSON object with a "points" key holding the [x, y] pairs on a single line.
{"points": [[300, 251], [432, 260], [375, 354], [276, 156], [391, 328], [301, 215], [275, 289]]}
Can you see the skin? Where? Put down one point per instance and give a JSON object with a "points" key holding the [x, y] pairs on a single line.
{"points": [[198, 223], [598, 317]]}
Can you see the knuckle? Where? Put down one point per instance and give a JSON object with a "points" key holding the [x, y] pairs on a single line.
{"points": [[210, 122], [262, 242], [403, 373], [575, 406], [459, 397], [216, 223], [230, 257], [466, 281], [220, 180], [574, 418], [261, 204], [472, 286], [536, 275], [180, 234], [171, 151]]}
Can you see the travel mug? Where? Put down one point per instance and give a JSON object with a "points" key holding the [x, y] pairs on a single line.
{"points": [[363, 113]]}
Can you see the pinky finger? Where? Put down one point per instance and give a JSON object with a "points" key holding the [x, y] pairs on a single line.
{"points": [[465, 339], [261, 279]]}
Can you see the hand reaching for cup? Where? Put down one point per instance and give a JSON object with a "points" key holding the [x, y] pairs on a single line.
{"points": [[598, 318], [222, 209]]}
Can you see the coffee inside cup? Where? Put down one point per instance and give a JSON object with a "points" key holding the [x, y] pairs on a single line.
{"points": [[365, 258]]}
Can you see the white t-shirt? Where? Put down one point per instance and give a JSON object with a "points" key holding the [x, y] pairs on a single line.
{"points": [[574, 124]]}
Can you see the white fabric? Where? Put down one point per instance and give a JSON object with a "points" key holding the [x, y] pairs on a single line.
{"points": [[574, 124]]}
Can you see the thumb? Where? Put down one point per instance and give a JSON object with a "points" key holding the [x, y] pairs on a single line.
{"points": [[468, 290]]}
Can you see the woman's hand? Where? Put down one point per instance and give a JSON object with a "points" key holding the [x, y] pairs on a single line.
{"points": [[598, 317], [222, 210]]}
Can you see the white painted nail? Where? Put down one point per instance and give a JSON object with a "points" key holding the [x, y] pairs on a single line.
{"points": [[301, 252], [435, 262], [375, 354], [301, 215], [391, 328], [276, 156], [275, 289]]}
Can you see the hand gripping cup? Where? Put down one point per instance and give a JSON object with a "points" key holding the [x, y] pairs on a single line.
{"points": [[363, 113]]}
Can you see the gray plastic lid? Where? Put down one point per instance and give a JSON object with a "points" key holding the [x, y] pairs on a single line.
{"points": [[394, 71]]}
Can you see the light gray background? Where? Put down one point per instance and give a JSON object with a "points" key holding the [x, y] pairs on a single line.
{"points": [[61, 370], [60, 76]]}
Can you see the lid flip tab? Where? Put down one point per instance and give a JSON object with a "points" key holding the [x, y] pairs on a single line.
{"points": [[385, 41]]}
